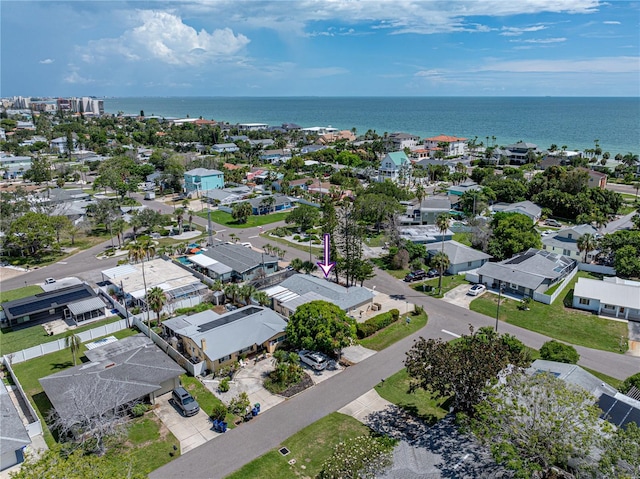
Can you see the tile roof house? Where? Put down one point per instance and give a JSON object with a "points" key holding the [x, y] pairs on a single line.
{"points": [[14, 438], [461, 257], [393, 165], [223, 339], [615, 297], [454, 146], [527, 208], [78, 303], [303, 288], [565, 242], [137, 369], [528, 272]]}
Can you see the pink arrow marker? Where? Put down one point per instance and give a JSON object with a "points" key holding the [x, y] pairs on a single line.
{"points": [[326, 265]]}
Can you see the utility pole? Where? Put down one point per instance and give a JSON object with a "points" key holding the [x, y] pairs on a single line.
{"points": [[209, 225], [124, 300], [499, 298]]}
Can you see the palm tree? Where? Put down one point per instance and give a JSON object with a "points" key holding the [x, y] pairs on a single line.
{"points": [[636, 185], [138, 251], [262, 298], [586, 243], [420, 195], [296, 264], [441, 262], [179, 217], [231, 291], [156, 300], [442, 222], [246, 291], [190, 213], [118, 227], [74, 343]]}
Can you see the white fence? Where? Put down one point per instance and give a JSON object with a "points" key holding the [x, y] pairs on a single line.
{"points": [[550, 298], [59, 344], [34, 426]]}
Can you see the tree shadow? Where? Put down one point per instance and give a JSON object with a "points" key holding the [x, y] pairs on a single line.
{"points": [[64, 365], [439, 449]]}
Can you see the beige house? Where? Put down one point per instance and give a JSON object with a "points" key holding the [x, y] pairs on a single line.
{"points": [[565, 242]]}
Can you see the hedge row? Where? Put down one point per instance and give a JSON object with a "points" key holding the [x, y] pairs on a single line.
{"points": [[376, 323]]}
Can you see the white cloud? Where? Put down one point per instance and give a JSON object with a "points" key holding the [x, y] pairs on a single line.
{"points": [[622, 64], [542, 40], [163, 36], [611, 22], [517, 31], [75, 78], [47, 61]]}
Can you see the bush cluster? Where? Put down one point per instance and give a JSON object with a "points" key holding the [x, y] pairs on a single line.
{"points": [[376, 323]]}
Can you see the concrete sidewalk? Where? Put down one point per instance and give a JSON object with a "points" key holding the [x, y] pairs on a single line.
{"points": [[367, 404]]}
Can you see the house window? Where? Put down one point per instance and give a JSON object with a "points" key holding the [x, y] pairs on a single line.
{"points": [[226, 358], [469, 263], [513, 286], [584, 301], [566, 252], [609, 306], [570, 236]]}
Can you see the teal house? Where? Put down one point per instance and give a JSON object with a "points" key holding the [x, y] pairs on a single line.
{"points": [[200, 180], [395, 166]]}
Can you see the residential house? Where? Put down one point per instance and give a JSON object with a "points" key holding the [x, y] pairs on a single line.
{"points": [[596, 178], [526, 208], [615, 297], [59, 145], [280, 155], [565, 242], [14, 166], [453, 146], [526, 273], [427, 211], [118, 374], [244, 263], [225, 196], [394, 166], [263, 142], [400, 141], [520, 152], [462, 188], [319, 130], [270, 204], [14, 438], [559, 158], [181, 288], [300, 289], [200, 180], [336, 136], [221, 340], [425, 161], [424, 234], [225, 148], [252, 126], [78, 303], [461, 257]]}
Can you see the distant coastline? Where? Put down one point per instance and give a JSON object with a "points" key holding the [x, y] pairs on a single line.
{"points": [[572, 121]]}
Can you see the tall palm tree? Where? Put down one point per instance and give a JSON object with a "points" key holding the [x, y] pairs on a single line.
{"points": [[74, 343], [442, 222], [138, 252], [231, 291], [156, 300], [420, 195], [118, 227], [246, 291], [296, 264], [441, 262], [262, 298], [586, 243]]}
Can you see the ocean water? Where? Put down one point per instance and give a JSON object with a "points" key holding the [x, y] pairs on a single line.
{"points": [[574, 122]]}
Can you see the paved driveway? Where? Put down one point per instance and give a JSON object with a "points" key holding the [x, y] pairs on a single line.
{"points": [[192, 431], [459, 296]]}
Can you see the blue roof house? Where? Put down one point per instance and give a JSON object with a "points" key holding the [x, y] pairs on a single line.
{"points": [[393, 166], [201, 180]]}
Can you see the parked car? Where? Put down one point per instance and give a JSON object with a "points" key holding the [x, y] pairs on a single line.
{"points": [[552, 222], [477, 289], [415, 275], [315, 360], [432, 273], [185, 402], [49, 281]]}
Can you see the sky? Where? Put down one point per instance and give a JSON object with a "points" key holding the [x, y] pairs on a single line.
{"points": [[320, 48]]}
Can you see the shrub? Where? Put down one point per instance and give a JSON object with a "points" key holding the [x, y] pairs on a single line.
{"points": [[280, 232], [376, 323], [524, 304], [395, 314], [630, 382], [362, 456], [417, 310], [316, 242], [239, 404], [139, 409], [219, 412], [560, 352], [223, 387]]}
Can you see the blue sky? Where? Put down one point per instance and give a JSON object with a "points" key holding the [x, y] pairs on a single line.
{"points": [[320, 48]]}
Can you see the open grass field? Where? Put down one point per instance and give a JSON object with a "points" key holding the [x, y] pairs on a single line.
{"points": [[315, 250], [394, 332], [559, 321], [225, 219], [310, 447], [448, 283]]}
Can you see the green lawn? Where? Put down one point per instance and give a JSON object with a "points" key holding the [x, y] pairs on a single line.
{"points": [[396, 273], [613, 382], [394, 332], [29, 372], [310, 447], [420, 403], [206, 399], [315, 250], [464, 238], [19, 293], [448, 283], [225, 219], [376, 240], [558, 321], [12, 341]]}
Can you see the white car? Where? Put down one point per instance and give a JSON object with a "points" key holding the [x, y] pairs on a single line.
{"points": [[477, 289], [49, 281], [315, 360]]}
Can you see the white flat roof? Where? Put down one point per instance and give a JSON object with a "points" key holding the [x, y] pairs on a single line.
{"points": [[201, 260], [616, 294]]}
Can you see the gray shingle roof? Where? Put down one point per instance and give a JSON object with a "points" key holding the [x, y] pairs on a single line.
{"points": [[572, 374], [458, 253], [237, 257], [344, 298], [13, 435]]}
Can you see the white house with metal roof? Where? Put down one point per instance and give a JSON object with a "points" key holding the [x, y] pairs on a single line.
{"points": [[565, 242], [461, 257], [615, 297], [300, 289], [527, 208], [223, 339]]}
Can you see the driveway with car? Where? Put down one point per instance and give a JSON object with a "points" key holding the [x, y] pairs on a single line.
{"points": [[459, 296]]}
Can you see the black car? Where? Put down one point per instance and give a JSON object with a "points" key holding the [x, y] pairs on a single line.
{"points": [[416, 275], [432, 273]]}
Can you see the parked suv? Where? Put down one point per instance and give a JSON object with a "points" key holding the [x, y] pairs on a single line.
{"points": [[415, 275], [316, 361], [552, 222], [185, 402]]}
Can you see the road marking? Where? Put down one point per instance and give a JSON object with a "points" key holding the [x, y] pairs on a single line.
{"points": [[62, 262], [254, 236], [452, 334], [217, 239], [220, 231]]}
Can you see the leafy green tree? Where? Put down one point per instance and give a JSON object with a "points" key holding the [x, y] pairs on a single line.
{"points": [[363, 457], [60, 224], [620, 456], [556, 351], [627, 261], [463, 368], [363, 271], [31, 234], [320, 326], [512, 233], [631, 381], [40, 171], [536, 422], [304, 216], [241, 211]]}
